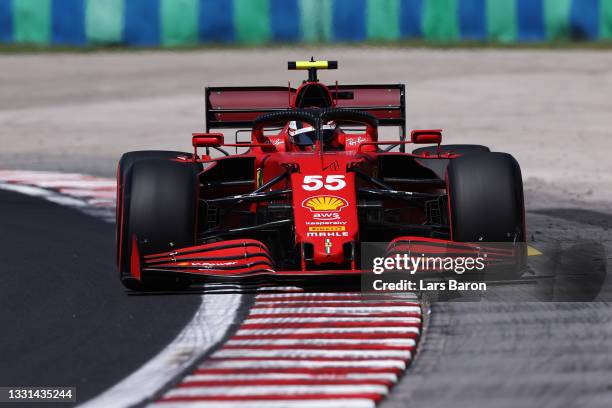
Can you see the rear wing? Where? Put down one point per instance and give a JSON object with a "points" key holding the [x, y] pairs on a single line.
{"points": [[237, 107]]}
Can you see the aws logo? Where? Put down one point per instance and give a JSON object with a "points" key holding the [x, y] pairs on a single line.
{"points": [[324, 203]]}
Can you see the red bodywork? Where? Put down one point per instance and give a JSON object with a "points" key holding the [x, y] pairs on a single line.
{"points": [[279, 210]]}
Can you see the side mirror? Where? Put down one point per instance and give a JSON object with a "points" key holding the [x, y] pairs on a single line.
{"points": [[430, 136], [207, 139]]}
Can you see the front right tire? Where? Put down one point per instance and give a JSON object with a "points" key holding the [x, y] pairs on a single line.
{"points": [[486, 198], [486, 204]]}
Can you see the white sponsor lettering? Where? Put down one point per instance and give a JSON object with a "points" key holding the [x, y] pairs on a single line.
{"points": [[333, 182], [326, 215], [356, 141]]}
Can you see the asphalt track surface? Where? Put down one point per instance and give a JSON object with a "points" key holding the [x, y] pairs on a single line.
{"points": [[549, 109], [66, 319]]}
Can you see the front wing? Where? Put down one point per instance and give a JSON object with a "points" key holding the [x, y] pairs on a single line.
{"points": [[244, 258]]}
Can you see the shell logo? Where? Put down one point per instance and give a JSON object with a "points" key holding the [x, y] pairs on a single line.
{"points": [[324, 203]]}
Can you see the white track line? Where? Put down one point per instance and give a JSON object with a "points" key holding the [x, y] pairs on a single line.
{"points": [[290, 376], [208, 326], [328, 330], [310, 403], [277, 389], [340, 318], [325, 300], [364, 310], [348, 342], [271, 363], [100, 194], [77, 184], [307, 353], [405, 296], [104, 209], [34, 191]]}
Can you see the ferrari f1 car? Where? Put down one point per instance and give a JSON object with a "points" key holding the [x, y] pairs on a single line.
{"points": [[312, 182]]}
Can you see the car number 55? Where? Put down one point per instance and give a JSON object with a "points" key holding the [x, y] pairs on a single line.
{"points": [[332, 182]]}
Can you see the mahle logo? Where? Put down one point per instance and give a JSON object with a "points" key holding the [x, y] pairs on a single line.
{"points": [[324, 203]]}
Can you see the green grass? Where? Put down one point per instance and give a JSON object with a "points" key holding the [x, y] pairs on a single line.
{"points": [[408, 44]]}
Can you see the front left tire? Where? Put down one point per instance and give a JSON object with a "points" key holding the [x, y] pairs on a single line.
{"points": [[157, 212]]}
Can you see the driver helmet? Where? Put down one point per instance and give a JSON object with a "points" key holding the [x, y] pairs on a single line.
{"points": [[304, 135]]}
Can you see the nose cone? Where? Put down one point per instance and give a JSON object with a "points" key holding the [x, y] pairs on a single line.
{"points": [[325, 213]]}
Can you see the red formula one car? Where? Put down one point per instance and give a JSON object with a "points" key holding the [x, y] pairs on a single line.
{"points": [[313, 182]]}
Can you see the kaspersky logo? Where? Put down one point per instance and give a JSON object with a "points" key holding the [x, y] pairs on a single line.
{"points": [[324, 203]]}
